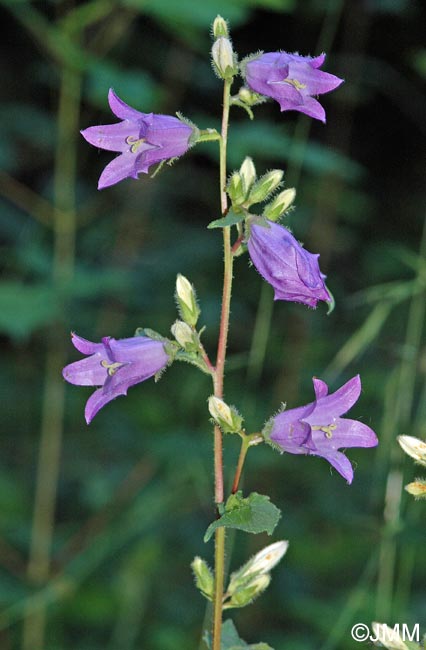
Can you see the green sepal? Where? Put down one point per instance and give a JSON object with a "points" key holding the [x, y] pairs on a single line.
{"points": [[331, 304], [253, 514], [151, 334], [231, 219], [231, 639]]}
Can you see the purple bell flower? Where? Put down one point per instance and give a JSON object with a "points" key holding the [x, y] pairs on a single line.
{"points": [[291, 79], [285, 264], [115, 365], [318, 430], [143, 139]]}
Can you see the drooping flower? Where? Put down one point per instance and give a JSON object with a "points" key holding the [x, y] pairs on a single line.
{"points": [[114, 365], [143, 139], [318, 429], [291, 80], [292, 271]]}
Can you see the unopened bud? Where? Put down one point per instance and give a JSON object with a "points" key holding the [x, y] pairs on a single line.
{"points": [[246, 595], [223, 58], [278, 206], [186, 299], [220, 27], [184, 335], [417, 489], [203, 577], [248, 174], [263, 562], [235, 189], [249, 97], [414, 447], [227, 417], [265, 186], [388, 636]]}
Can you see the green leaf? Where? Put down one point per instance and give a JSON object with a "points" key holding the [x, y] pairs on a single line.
{"points": [[231, 639], [254, 514], [230, 220]]}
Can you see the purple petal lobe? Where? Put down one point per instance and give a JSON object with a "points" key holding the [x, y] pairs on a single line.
{"points": [[338, 403], [84, 346], [121, 109], [86, 372]]}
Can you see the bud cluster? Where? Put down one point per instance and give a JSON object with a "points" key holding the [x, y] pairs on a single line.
{"points": [[225, 61], [254, 577], [245, 189]]}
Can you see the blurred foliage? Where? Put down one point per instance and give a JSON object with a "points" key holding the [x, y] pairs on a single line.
{"points": [[135, 489]]}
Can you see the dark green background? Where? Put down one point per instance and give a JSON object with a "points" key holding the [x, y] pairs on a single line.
{"points": [[135, 488]]}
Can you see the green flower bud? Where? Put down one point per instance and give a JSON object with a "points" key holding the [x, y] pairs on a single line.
{"points": [[220, 27], [227, 417], [267, 184], [246, 595], [414, 447], [224, 59], [262, 563], [249, 97], [186, 299], [417, 489], [235, 189], [248, 174], [203, 577], [185, 336], [280, 204]]}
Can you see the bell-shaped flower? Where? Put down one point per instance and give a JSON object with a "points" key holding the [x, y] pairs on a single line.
{"points": [[114, 365], [291, 80], [292, 271], [142, 139], [318, 429]]}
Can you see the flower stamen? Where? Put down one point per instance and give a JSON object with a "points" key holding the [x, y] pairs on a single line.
{"points": [[328, 430], [111, 367], [134, 143], [295, 83]]}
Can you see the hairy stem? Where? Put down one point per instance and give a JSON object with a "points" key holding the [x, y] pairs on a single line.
{"points": [[219, 375]]}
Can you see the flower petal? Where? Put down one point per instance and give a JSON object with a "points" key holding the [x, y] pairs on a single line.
{"points": [[312, 108], [352, 433], [316, 82], [86, 372], [112, 137], [320, 388], [339, 462], [123, 110], [123, 166], [98, 399], [84, 346], [333, 406]]}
